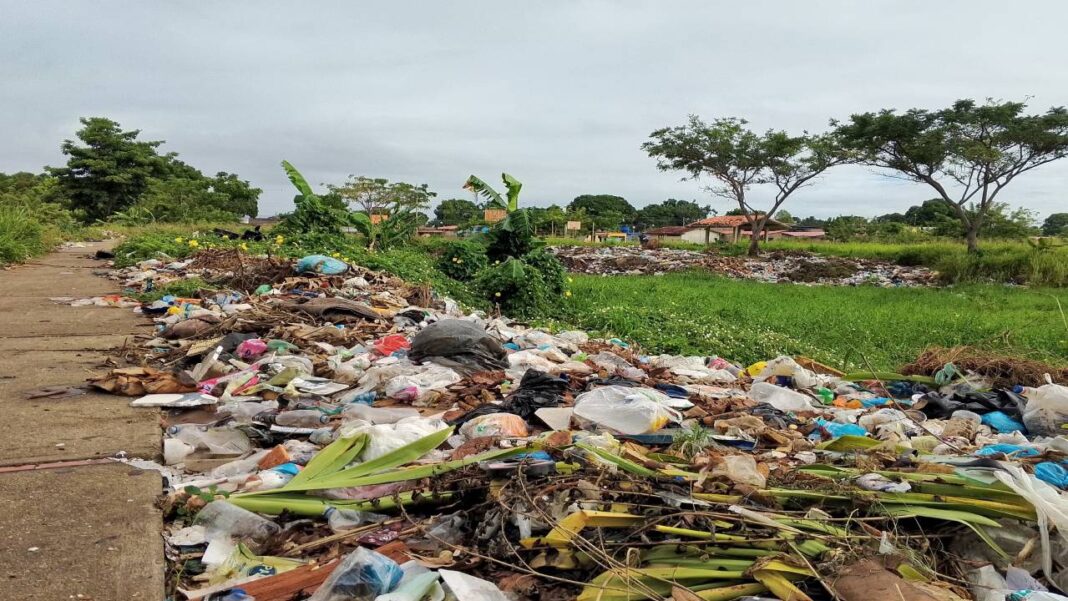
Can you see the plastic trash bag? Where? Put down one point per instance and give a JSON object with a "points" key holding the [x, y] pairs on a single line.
{"points": [[321, 264], [1046, 408], [469, 588], [385, 438], [786, 366], [362, 576], [221, 518], [1052, 473], [626, 410], [504, 425], [1048, 503], [783, 399], [1001, 422], [462, 345], [417, 386]]}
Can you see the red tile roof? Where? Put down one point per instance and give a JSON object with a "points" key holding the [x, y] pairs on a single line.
{"points": [[732, 221], [670, 230]]}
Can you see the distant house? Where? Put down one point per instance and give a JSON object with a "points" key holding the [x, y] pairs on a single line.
{"points": [[679, 233], [732, 228], [493, 215], [607, 237], [445, 231]]}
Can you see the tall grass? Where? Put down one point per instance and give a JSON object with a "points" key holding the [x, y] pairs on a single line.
{"points": [[22, 235], [850, 327]]}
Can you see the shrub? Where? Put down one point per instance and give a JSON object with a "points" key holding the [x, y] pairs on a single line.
{"points": [[511, 237], [517, 288], [462, 260], [550, 268]]}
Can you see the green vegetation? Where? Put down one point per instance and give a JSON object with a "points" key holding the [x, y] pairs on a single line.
{"points": [[110, 173], [698, 313]]}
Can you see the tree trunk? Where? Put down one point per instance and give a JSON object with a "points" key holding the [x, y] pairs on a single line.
{"points": [[972, 235], [754, 238]]}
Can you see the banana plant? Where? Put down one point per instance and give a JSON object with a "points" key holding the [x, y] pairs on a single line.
{"points": [[481, 188], [313, 212]]}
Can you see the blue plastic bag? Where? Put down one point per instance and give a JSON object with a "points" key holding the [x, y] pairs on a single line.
{"points": [[836, 429], [1052, 473], [321, 264], [1013, 450], [1002, 422]]}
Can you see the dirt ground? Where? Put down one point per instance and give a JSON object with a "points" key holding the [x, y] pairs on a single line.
{"points": [[72, 525]]}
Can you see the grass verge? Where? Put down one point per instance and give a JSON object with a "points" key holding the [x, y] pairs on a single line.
{"points": [[698, 313]]}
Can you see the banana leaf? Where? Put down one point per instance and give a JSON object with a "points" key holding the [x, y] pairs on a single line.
{"points": [[976, 522], [302, 504], [330, 459], [298, 180], [623, 464]]}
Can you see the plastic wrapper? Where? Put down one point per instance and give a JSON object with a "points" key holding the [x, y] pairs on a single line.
{"points": [[626, 410], [362, 576]]}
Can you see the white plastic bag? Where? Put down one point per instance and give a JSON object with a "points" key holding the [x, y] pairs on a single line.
{"points": [[781, 398], [1046, 409], [385, 438], [785, 366], [625, 409], [1049, 504]]}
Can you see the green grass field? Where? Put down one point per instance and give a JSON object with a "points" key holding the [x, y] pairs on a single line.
{"points": [[697, 313]]}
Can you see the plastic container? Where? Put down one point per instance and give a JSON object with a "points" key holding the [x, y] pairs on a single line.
{"points": [[245, 412], [783, 399], [627, 410], [299, 418], [221, 518]]}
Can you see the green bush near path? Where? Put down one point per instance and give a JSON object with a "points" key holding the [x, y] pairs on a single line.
{"points": [[698, 313]]}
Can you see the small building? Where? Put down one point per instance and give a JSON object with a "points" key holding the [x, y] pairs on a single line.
{"points": [[377, 218], [679, 233], [607, 237], [494, 215], [732, 228], [445, 231]]}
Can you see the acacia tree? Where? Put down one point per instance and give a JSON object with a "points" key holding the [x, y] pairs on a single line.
{"points": [[400, 203], [967, 153], [728, 152]]}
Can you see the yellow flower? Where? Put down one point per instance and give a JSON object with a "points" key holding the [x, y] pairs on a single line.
{"points": [[179, 239], [567, 293], [335, 254], [569, 280], [279, 239], [497, 294], [244, 247], [193, 244], [459, 260]]}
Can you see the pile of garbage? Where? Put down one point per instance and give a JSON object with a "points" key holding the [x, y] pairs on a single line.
{"points": [[333, 433], [779, 266]]}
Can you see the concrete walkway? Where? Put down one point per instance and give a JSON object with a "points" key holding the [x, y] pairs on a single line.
{"points": [[79, 528]]}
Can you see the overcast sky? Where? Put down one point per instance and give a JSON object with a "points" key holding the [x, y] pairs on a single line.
{"points": [[559, 94]]}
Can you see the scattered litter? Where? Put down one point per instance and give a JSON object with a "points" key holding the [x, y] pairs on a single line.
{"points": [[337, 433]]}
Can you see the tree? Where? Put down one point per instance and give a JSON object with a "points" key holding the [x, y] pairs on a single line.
{"points": [[784, 216], [495, 200], [671, 212], [846, 227], [1055, 225], [607, 211], [398, 203], [326, 214], [456, 211], [967, 153], [241, 197], [108, 170], [738, 159], [178, 199]]}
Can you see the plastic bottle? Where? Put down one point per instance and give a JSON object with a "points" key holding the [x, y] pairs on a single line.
{"points": [[218, 441], [221, 518], [347, 519], [826, 395], [1046, 409], [301, 418], [245, 412]]}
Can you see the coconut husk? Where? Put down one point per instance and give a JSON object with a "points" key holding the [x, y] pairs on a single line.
{"points": [[1000, 370]]}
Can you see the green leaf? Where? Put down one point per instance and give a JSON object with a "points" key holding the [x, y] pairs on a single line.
{"points": [[623, 464], [514, 186], [298, 180], [971, 520], [330, 459], [481, 188]]}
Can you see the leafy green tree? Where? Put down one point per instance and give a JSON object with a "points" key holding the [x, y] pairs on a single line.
{"points": [[725, 150], [671, 212], [847, 227], [179, 199], [241, 197], [932, 213], [108, 169], [399, 203], [457, 211], [784, 216], [1055, 225], [606, 211], [967, 153]]}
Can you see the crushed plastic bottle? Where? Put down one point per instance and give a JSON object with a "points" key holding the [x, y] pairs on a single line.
{"points": [[347, 519], [221, 518]]}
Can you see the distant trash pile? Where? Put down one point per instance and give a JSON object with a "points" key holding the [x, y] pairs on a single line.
{"points": [[776, 266], [352, 437]]}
